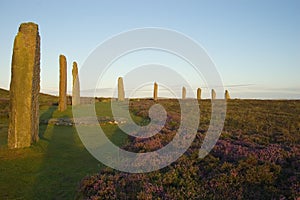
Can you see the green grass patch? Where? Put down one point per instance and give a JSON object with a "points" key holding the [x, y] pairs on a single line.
{"points": [[53, 167]]}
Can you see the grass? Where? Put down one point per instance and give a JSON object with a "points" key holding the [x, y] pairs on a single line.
{"points": [[53, 167]]}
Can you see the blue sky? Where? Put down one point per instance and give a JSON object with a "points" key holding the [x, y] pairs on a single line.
{"points": [[254, 44]]}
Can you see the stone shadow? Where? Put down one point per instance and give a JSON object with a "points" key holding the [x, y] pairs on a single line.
{"points": [[44, 121], [65, 163]]}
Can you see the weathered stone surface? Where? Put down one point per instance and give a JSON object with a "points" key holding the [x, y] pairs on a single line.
{"points": [[155, 91], [213, 94], [227, 96], [76, 86], [183, 93], [199, 93], [121, 92], [62, 103], [24, 88]]}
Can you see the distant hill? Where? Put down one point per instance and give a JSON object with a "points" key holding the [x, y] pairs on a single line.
{"points": [[4, 102], [45, 99], [4, 93]]}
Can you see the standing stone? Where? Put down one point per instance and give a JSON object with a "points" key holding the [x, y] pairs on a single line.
{"points": [[24, 88], [227, 96], [198, 93], [213, 94], [183, 93], [76, 86], [155, 91], [62, 104], [121, 92]]}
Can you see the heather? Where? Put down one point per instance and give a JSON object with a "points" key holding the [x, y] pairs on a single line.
{"points": [[256, 157]]}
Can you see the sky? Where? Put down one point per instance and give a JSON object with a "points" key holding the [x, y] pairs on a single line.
{"points": [[255, 45]]}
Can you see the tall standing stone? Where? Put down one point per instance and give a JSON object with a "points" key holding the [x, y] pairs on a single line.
{"points": [[227, 96], [121, 92], [183, 93], [62, 104], [76, 86], [198, 93], [213, 94], [155, 91], [24, 88]]}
